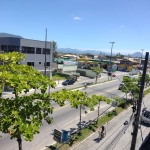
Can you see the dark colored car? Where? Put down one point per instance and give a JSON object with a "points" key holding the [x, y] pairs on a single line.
{"points": [[109, 73], [68, 82], [120, 86]]}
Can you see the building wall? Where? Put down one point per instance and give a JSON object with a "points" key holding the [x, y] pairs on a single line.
{"points": [[38, 59], [9, 41], [35, 43], [124, 67]]}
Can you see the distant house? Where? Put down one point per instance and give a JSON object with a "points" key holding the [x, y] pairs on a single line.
{"points": [[70, 56], [127, 65], [89, 56]]}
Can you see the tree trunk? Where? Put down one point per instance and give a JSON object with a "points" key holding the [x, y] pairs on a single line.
{"points": [[96, 79], [19, 142], [80, 116], [98, 111]]}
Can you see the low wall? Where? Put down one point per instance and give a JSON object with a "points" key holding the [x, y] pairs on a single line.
{"points": [[88, 73]]}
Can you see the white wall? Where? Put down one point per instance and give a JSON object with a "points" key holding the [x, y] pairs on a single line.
{"points": [[67, 67]]}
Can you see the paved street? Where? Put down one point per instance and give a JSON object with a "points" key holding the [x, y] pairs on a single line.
{"points": [[118, 135], [64, 117]]}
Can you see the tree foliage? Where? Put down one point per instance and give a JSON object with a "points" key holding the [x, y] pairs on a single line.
{"points": [[130, 86], [77, 98], [23, 113], [97, 70], [55, 53], [147, 79]]}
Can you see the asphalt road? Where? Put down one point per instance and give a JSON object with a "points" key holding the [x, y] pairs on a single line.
{"points": [[64, 118]]}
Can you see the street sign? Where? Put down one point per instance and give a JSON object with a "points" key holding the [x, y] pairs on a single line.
{"points": [[57, 135]]}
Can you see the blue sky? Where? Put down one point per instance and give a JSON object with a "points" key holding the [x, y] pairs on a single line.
{"points": [[81, 24]]}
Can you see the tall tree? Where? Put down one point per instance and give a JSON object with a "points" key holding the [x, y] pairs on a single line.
{"points": [[97, 71], [22, 114], [147, 79], [130, 86], [79, 100], [55, 53]]}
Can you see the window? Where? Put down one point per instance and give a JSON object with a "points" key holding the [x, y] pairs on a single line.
{"points": [[47, 63], [39, 62], [38, 50], [28, 50], [30, 64], [12, 48], [4, 48], [47, 51]]}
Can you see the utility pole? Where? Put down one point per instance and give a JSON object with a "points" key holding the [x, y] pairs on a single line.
{"points": [[45, 51], [139, 102], [50, 66], [111, 57]]}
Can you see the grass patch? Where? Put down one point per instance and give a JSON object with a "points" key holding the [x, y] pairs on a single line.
{"points": [[146, 91], [88, 130], [59, 76]]}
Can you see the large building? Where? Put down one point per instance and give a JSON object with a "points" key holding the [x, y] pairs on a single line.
{"points": [[34, 49]]}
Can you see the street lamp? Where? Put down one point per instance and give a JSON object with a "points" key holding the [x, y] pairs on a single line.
{"points": [[111, 56], [142, 53]]}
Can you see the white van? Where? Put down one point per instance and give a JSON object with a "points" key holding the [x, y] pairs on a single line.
{"points": [[145, 116]]}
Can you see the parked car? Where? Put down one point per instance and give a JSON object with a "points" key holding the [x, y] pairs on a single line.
{"points": [[109, 73], [120, 86], [113, 75], [68, 82], [145, 116]]}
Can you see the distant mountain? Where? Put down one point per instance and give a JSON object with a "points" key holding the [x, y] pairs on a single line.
{"points": [[76, 51], [137, 54]]}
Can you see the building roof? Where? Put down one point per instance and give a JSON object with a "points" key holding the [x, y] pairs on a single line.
{"points": [[9, 35]]}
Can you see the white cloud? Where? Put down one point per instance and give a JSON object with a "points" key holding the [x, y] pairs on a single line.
{"points": [[122, 26], [77, 18]]}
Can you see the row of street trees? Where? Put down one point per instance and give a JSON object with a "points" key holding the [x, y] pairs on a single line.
{"points": [[132, 85], [22, 115]]}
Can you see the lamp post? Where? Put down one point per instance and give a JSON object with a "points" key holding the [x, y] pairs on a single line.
{"points": [[111, 57], [45, 51]]}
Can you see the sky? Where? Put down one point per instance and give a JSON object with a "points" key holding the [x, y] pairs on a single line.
{"points": [[81, 24]]}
